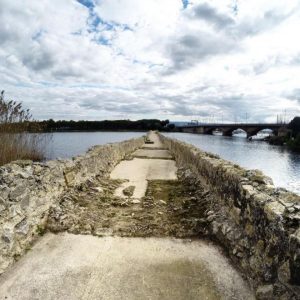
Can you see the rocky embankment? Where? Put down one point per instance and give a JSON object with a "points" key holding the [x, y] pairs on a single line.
{"points": [[28, 190], [257, 224]]}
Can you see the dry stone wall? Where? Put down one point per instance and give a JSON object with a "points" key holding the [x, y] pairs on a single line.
{"points": [[257, 224], [27, 190]]}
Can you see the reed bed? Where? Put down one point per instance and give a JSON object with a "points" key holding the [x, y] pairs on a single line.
{"points": [[20, 136]]}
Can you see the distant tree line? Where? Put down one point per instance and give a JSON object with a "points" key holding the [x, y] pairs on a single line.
{"points": [[106, 125]]}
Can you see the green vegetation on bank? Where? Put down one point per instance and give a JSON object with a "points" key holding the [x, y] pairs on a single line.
{"points": [[107, 125], [294, 140], [291, 138]]}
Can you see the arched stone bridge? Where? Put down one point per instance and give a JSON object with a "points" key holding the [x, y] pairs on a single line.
{"points": [[251, 129]]}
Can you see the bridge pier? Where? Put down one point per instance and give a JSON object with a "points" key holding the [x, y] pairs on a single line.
{"points": [[199, 130], [209, 130], [227, 132], [251, 132], [188, 129], [249, 135]]}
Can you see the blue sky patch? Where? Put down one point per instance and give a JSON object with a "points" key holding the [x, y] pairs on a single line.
{"points": [[87, 3], [185, 3], [95, 20], [104, 41]]}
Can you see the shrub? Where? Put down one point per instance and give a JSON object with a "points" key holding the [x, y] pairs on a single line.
{"points": [[20, 136], [294, 143], [295, 126]]}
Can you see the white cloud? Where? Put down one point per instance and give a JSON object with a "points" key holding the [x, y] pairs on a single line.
{"points": [[151, 58]]}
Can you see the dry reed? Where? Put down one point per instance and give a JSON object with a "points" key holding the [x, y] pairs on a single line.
{"points": [[19, 135]]}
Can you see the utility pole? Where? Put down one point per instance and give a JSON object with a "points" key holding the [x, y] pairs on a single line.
{"points": [[285, 117]]}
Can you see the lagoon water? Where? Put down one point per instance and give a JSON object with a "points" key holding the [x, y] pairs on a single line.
{"points": [[281, 164], [69, 144]]}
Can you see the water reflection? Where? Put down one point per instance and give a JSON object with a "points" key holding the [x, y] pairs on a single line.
{"points": [[69, 144], [281, 164]]}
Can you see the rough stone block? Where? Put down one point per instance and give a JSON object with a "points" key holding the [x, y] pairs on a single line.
{"points": [[259, 213], [295, 257], [265, 292]]}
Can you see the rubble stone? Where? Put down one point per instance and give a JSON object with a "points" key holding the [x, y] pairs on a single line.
{"points": [[28, 190]]}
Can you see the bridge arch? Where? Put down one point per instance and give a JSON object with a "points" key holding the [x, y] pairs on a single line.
{"points": [[268, 131], [238, 131], [209, 130], [227, 131], [252, 131]]}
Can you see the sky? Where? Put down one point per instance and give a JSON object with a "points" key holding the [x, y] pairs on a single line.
{"points": [[213, 61]]}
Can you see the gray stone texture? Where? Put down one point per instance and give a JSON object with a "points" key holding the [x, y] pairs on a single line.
{"points": [[257, 224], [28, 190]]}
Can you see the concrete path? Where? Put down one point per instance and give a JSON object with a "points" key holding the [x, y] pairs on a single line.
{"points": [[156, 141], [67, 267], [156, 164], [151, 153]]}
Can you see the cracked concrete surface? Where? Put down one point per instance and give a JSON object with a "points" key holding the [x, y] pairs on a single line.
{"points": [[138, 171], [151, 167], [157, 153], [156, 142], [67, 266]]}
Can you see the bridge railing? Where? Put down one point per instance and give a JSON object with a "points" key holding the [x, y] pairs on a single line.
{"points": [[266, 125]]}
